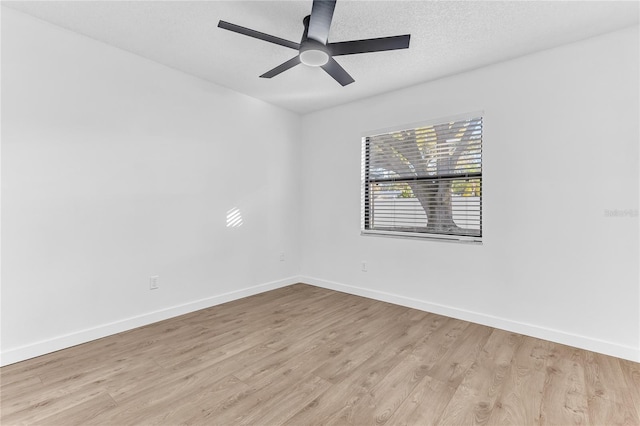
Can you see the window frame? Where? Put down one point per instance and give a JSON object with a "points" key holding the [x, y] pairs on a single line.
{"points": [[366, 181]]}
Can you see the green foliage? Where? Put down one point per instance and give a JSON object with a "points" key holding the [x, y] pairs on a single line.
{"points": [[406, 192], [467, 188]]}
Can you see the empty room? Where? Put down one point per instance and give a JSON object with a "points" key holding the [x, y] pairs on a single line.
{"points": [[320, 212]]}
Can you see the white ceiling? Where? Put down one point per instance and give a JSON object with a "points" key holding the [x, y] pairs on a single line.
{"points": [[447, 37]]}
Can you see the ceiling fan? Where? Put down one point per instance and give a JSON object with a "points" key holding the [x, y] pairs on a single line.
{"points": [[314, 49]]}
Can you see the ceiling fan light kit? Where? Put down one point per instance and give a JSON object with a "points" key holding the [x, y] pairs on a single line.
{"points": [[314, 49], [314, 54]]}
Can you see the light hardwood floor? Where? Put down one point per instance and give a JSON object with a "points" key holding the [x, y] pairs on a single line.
{"points": [[303, 355]]}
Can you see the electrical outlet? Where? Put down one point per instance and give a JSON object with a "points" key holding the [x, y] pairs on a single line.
{"points": [[153, 282], [364, 266], [282, 257]]}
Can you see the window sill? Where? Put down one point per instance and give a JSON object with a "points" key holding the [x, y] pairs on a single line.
{"points": [[426, 237]]}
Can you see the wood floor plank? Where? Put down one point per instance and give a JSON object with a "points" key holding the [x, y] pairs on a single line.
{"points": [[183, 401], [337, 403], [380, 336], [87, 412], [609, 400], [241, 406], [346, 393], [41, 406], [21, 399], [564, 397], [289, 401], [23, 383], [303, 355], [312, 342], [209, 345], [521, 396], [136, 378], [631, 373], [474, 399], [380, 403], [331, 320], [449, 359], [424, 405]]}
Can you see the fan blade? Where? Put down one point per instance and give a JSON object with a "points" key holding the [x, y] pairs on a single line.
{"points": [[320, 22], [282, 67], [257, 34], [369, 45], [337, 72]]}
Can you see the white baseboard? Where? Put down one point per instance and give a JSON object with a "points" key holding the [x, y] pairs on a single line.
{"points": [[32, 350], [22, 353], [557, 336]]}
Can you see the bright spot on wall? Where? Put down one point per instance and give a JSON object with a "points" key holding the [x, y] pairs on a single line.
{"points": [[234, 218]]}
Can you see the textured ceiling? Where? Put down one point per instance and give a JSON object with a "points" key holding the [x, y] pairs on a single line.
{"points": [[447, 37]]}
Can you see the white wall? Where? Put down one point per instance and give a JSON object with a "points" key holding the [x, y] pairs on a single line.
{"points": [[560, 148], [115, 168]]}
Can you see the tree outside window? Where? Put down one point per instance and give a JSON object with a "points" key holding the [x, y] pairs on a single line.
{"points": [[425, 180]]}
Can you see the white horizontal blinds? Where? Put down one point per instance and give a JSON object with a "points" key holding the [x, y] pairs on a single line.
{"points": [[425, 180]]}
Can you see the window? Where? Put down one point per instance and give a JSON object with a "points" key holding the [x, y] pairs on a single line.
{"points": [[424, 181]]}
